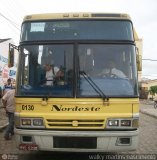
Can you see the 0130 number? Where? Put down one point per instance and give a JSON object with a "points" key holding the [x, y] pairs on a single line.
{"points": [[28, 107]]}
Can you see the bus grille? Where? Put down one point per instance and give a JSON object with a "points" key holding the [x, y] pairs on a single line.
{"points": [[75, 124]]}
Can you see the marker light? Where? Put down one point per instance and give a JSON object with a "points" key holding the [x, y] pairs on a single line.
{"points": [[126, 123], [37, 122]]}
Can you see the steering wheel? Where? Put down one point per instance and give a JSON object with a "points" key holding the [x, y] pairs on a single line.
{"points": [[113, 75], [110, 75]]}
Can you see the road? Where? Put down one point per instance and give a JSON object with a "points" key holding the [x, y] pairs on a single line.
{"points": [[147, 145]]}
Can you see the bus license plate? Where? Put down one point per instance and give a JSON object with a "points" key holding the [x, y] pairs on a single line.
{"points": [[28, 147]]}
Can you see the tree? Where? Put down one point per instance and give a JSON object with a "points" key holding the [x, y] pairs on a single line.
{"points": [[153, 91]]}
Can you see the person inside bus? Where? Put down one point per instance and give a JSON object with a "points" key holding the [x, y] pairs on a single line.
{"points": [[112, 70], [52, 73]]}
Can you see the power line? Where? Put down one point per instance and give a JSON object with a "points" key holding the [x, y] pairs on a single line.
{"points": [[149, 59], [149, 75], [11, 22], [8, 10]]}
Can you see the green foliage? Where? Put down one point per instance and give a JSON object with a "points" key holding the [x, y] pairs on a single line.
{"points": [[153, 90]]}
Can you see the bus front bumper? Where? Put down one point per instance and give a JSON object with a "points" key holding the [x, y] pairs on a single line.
{"points": [[77, 141]]}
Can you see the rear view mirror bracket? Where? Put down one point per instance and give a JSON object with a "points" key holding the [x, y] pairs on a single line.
{"points": [[12, 47]]}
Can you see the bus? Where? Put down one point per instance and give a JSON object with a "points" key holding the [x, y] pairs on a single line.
{"points": [[88, 109]]}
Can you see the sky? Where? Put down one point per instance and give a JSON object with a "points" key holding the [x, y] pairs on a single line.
{"points": [[143, 14]]}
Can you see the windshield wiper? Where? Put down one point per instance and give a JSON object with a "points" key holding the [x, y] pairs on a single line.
{"points": [[94, 86]]}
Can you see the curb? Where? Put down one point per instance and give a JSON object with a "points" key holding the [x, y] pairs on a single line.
{"points": [[147, 103], [149, 114]]}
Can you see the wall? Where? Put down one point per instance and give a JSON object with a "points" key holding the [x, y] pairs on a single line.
{"points": [[5, 72]]}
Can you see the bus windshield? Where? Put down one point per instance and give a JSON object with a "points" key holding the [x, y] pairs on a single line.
{"points": [[111, 67], [77, 29]]}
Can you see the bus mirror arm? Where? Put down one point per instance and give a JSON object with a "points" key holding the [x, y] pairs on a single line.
{"points": [[138, 60], [12, 47]]}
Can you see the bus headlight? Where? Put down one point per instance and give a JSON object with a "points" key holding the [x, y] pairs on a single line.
{"points": [[113, 122], [26, 122], [122, 123], [32, 122]]}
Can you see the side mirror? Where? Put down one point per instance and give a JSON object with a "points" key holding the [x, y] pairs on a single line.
{"points": [[11, 55], [11, 58], [139, 61]]}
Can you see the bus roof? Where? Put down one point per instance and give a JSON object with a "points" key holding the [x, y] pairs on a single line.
{"points": [[48, 16]]}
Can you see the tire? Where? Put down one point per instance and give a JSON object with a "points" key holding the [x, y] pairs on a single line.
{"points": [[155, 104]]}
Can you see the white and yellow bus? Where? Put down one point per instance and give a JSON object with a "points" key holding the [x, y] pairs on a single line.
{"points": [[89, 109]]}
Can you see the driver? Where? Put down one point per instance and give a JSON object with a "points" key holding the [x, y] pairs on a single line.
{"points": [[112, 71]]}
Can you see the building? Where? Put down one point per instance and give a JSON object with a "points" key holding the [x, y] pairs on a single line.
{"points": [[145, 87], [5, 72]]}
